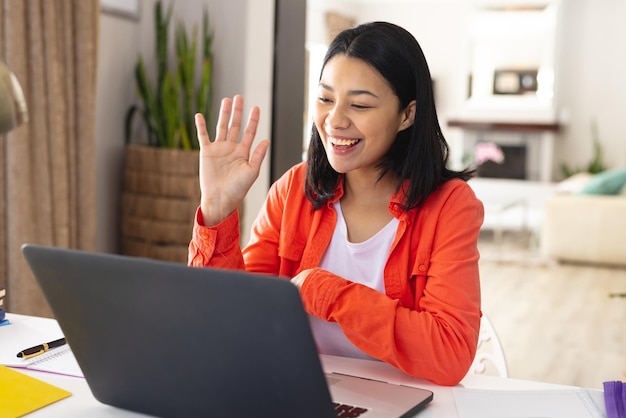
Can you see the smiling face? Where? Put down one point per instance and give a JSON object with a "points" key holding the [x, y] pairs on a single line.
{"points": [[357, 114]]}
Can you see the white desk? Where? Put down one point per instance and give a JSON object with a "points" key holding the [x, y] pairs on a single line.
{"points": [[82, 403]]}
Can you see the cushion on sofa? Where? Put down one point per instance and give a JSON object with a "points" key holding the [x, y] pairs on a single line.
{"points": [[574, 183], [608, 182]]}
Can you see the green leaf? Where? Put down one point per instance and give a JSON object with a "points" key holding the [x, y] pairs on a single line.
{"points": [[167, 106], [128, 122]]}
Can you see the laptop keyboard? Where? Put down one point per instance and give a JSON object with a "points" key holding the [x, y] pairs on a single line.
{"points": [[348, 411]]}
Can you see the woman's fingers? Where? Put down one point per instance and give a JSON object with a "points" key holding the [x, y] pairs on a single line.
{"points": [[259, 154], [229, 120], [234, 125], [221, 130], [203, 135], [229, 126], [251, 126]]}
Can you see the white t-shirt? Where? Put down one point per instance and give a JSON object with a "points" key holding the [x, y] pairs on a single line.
{"points": [[362, 262]]}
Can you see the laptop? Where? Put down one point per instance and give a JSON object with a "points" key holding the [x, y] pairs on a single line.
{"points": [[170, 340]]}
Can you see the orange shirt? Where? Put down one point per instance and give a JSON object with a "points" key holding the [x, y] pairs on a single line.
{"points": [[427, 322]]}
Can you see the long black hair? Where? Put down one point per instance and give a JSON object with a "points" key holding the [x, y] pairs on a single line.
{"points": [[419, 153]]}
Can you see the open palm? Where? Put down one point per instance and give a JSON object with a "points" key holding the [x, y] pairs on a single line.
{"points": [[227, 167]]}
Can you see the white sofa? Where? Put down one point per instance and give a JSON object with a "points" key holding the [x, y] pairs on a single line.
{"points": [[585, 229]]}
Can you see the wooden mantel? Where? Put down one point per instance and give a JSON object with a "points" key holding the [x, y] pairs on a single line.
{"points": [[473, 125]]}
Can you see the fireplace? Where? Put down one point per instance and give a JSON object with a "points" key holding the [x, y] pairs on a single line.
{"points": [[527, 147], [513, 166], [522, 155]]}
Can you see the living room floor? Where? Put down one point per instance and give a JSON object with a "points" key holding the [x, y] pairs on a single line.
{"points": [[557, 322]]}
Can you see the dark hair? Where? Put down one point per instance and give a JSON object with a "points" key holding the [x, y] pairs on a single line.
{"points": [[420, 152]]}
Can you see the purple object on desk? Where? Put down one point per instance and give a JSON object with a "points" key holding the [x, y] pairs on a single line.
{"points": [[615, 399]]}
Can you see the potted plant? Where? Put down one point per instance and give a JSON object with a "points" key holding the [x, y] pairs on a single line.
{"points": [[160, 181]]}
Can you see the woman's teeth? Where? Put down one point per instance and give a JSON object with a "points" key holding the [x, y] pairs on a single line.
{"points": [[343, 142]]}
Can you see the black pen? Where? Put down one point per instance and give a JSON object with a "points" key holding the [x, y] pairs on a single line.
{"points": [[41, 348]]}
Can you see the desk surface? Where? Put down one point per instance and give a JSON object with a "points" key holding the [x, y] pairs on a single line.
{"points": [[82, 402]]}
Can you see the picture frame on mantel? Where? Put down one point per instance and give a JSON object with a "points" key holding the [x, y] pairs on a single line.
{"points": [[515, 82], [128, 9]]}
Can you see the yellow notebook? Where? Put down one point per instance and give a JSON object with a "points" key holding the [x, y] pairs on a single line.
{"points": [[21, 394]]}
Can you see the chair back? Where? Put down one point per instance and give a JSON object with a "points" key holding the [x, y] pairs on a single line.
{"points": [[490, 357]]}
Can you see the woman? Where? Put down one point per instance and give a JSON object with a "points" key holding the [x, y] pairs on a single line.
{"points": [[377, 233]]}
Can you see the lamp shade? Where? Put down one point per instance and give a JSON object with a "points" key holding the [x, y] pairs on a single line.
{"points": [[13, 111]]}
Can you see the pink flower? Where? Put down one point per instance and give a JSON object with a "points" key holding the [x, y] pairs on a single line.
{"points": [[486, 151]]}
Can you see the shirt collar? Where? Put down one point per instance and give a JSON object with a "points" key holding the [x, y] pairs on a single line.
{"points": [[395, 204]]}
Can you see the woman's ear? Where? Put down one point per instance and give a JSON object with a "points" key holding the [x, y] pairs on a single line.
{"points": [[408, 116]]}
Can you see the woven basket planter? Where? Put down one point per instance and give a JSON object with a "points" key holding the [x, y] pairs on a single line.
{"points": [[160, 194]]}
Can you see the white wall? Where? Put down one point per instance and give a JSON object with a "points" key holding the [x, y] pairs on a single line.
{"points": [[590, 82], [119, 45], [243, 54]]}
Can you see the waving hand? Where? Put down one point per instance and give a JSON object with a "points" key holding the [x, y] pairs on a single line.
{"points": [[227, 167]]}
